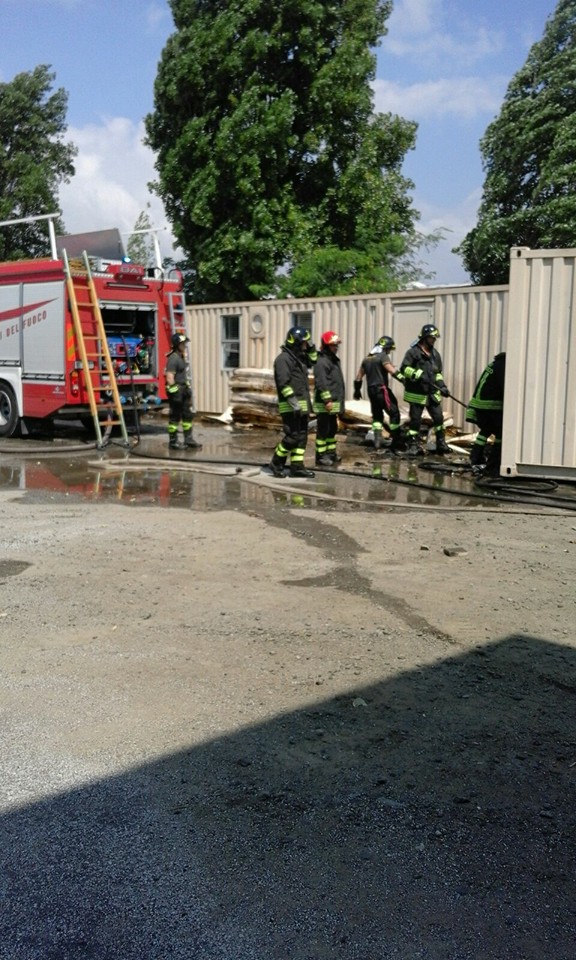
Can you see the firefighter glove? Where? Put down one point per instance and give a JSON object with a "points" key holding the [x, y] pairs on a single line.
{"points": [[357, 389], [173, 389], [443, 389], [294, 404]]}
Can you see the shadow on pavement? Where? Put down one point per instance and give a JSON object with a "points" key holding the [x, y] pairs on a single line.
{"points": [[430, 816]]}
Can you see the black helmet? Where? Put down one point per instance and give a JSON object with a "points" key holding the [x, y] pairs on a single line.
{"points": [[297, 335], [177, 339], [387, 344], [429, 330]]}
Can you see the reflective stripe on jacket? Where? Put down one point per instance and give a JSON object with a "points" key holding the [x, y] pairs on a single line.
{"points": [[328, 383], [422, 375], [291, 378], [489, 391]]}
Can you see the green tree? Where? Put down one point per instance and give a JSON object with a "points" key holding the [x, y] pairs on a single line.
{"points": [[140, 246], [268, 149], [330, 271], [34, 160], [529, 158]]}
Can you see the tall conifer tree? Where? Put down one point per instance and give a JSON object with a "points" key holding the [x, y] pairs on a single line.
{"points": [[529, 156], [267, 145]]}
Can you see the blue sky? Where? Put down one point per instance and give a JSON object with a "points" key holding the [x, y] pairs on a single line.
{"points": [[444, 63]]}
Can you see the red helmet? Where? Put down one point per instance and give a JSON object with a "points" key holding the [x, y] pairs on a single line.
{"points": [[328, 338]]}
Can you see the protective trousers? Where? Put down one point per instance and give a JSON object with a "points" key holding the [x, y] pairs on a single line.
{"points": [[180, 411], [415, 413], [489, 423], [294, 440], [382, 400], [326, 428]]}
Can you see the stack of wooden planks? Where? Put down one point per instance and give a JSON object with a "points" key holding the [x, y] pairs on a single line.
{"points": [[254, 402]]}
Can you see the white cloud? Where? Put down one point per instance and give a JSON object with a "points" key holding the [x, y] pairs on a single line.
{"points": [[156, 16], [458, 219], [110, 187], [446, 48], [464, 97], [425, 31], [457, 222], [415, 16]]}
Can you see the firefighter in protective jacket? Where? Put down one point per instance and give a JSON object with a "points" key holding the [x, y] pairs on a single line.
{"points": [[486, 409], [179, 394], [377, 367], [291, 378], [329, 396], [424, 387]]}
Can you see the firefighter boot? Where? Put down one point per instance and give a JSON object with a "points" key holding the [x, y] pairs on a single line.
{"points": [[493, 460], [173, 442], [323, 460], [299, 470], [377, 439], [441, 445], [397, 443], [277, 465], [334, 457], [189, 442], [415, 448], [477, 455]]}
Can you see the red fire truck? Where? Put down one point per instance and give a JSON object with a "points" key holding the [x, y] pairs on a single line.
{"points": [[77, 333]]}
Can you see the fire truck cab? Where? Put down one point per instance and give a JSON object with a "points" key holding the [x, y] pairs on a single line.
{"points": [[41, 371]]}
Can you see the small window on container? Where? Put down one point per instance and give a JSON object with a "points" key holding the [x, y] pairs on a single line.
{"points": [[230, 342], [303, 319]]}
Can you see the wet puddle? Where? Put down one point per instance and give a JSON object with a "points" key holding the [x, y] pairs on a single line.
{"points": [[229, 473]]}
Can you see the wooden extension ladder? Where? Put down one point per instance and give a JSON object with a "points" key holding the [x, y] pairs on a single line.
{"points": [[97, 371]]}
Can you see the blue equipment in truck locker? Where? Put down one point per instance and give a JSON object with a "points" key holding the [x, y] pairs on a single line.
{"points": [[118, 350]]}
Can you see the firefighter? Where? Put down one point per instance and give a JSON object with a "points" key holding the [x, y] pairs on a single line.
{"points": [[424, 387], [329, 396], [377, 367], [486, 409], [179, 395], [291, 377]]}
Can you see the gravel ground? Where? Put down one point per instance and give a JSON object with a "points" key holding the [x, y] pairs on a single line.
{"points": [[268, 730]]}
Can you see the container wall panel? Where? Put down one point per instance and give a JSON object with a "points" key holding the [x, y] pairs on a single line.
{"points": [[472, 328], [539, 438], [471, 321]]}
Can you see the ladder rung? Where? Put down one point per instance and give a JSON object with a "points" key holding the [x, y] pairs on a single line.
{"points": [[99, 374]]}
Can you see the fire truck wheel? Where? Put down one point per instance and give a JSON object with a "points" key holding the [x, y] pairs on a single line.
{"points": [[9, 419]]}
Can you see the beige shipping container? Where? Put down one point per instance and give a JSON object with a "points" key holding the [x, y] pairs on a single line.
{"points": [[539, 435], [471, 321]]}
